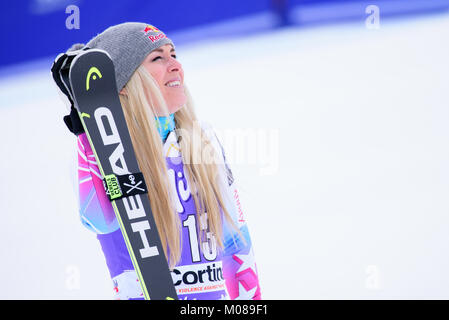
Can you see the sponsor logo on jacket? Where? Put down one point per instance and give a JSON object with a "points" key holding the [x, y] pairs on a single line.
{"points": [[197, 278]]}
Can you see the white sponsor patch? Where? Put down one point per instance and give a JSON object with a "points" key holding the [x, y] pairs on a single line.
{"points": [[199, 278]]}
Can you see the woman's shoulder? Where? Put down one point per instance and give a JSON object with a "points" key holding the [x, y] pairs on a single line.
{"points": [[209, 130], [211, 134], [206, 126]]}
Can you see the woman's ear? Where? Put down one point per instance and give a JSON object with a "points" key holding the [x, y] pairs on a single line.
{"points": [[123, 92]]}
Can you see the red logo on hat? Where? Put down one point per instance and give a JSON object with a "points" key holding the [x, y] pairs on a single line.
{"points": [[158, 37], [150, 28]]}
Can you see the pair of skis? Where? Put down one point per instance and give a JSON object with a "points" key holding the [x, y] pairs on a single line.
{"points": [[87, 78]]}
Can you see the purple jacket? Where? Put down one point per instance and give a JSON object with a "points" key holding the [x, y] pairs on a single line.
{"points": [[200, 274]]}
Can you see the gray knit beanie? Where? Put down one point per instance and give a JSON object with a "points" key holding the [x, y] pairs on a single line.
{"points": [[128, 44]]}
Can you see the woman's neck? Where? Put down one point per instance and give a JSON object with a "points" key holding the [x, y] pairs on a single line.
{"points": [[165, 125]]}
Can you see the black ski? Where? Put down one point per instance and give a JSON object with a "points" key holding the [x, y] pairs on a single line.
{"points": [[94, 93]]}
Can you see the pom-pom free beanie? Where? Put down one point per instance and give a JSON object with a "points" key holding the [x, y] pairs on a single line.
{"points": [[127, 44]]}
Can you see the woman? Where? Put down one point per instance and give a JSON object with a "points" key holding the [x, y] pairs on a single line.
{"points": [[191, 188]]}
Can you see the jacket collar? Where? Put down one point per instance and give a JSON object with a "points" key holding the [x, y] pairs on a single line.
{"points": [[171, 147]]}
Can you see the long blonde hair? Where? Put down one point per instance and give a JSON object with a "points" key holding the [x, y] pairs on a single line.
{"points": [[141, 95]]}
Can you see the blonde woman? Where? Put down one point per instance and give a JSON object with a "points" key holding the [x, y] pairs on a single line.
{"points": [[191, 188]]}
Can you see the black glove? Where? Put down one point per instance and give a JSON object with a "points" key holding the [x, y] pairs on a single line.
{"points": [[73, 122]]}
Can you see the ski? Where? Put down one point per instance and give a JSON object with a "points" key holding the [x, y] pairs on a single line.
{"points": [[92, 86]]}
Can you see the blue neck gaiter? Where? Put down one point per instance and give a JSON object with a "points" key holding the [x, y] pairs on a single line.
{"points": [[165, 125]]}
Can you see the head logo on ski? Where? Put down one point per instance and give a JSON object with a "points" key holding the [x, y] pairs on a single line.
{"points": [[95, 72]]}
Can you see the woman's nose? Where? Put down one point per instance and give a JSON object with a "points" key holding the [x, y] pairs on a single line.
{"points": [[174, 65]]}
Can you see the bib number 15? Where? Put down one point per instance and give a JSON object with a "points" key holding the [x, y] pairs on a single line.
{"points": [[209, 246]]}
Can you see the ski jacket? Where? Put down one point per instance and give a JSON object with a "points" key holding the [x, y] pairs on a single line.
{"points": [[200, 274]]}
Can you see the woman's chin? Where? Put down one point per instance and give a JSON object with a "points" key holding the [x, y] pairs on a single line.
{"points": [[175, 107]]}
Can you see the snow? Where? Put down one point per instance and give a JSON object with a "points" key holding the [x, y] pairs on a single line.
{"points": [[342, 165]]}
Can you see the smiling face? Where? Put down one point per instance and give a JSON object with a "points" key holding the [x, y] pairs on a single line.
{"points": [[167, 71]]}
